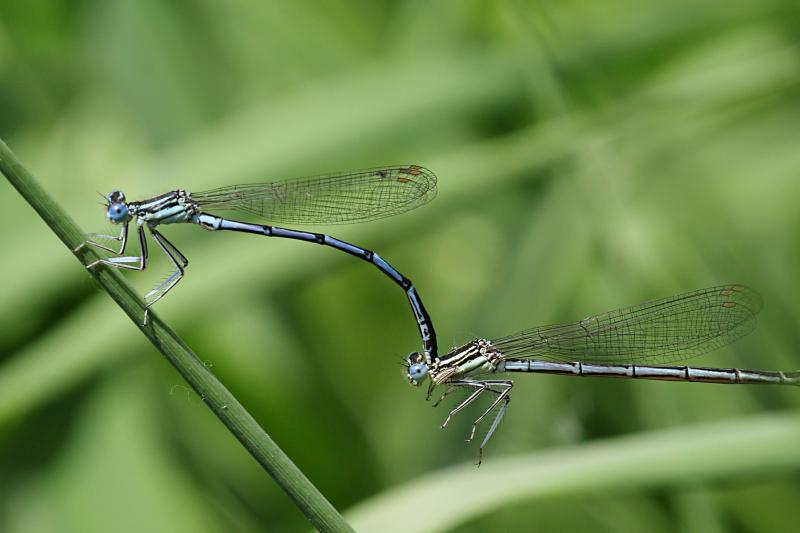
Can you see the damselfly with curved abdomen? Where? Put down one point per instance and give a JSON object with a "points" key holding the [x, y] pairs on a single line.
{"points": [[624, 343], [333, 199]]}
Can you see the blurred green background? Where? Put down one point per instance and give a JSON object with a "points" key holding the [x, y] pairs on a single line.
{"points": [[590, 155]]}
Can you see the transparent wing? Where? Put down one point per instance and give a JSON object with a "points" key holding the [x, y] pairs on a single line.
{"points": [[332, 199], [656, 332]]}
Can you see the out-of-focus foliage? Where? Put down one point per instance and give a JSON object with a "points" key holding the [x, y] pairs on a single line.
{"points": [[590, 155]]}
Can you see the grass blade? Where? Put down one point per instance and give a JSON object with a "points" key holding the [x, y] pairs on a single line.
{"points": [[238, 421], [760, 445]]}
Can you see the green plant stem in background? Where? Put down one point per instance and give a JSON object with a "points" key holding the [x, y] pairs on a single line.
{"points": [[759, 445], [310, 501]]}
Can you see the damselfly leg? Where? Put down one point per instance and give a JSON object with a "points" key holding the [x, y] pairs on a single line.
{"points": [[122, 261], [179, 261], [122, 238], [139, 262], [500, 388]]}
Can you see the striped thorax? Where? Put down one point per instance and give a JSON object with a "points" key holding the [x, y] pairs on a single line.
{"points": [[169, 208], [474, 358]]}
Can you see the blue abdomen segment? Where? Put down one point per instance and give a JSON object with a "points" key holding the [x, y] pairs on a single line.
{"points": [[423, 320], [208, 222]]}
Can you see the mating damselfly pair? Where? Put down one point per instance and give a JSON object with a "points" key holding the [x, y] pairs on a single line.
{"points": [[633, 342]]}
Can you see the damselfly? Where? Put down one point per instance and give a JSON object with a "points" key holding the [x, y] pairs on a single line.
{"points": [[624, 343], [333, 199]]}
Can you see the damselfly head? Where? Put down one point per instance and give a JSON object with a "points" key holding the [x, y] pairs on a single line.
{"points": [[417, 368], [117, 211]]}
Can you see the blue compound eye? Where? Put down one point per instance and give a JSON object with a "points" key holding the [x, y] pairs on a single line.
{"points": [[417, 373], [117, 213], [417, 368]]}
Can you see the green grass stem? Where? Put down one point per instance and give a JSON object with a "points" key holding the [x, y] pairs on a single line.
{"points": [[760, 445], [244, 427]]}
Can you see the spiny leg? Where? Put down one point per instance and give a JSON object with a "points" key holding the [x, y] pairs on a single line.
{"points": [[171, 251], [502, 400], [122, 237], [120, 262], [165, 286], [501, 396], [431, 387], [480, 388], [496, 422], [172, 247], [444, 395]]}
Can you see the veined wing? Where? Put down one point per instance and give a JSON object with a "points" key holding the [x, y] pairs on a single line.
{"points": [[331, 199], [656, 332]]}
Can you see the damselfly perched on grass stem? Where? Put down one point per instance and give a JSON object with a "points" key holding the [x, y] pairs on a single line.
{"points": [[333, 199], [625, 343]]}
